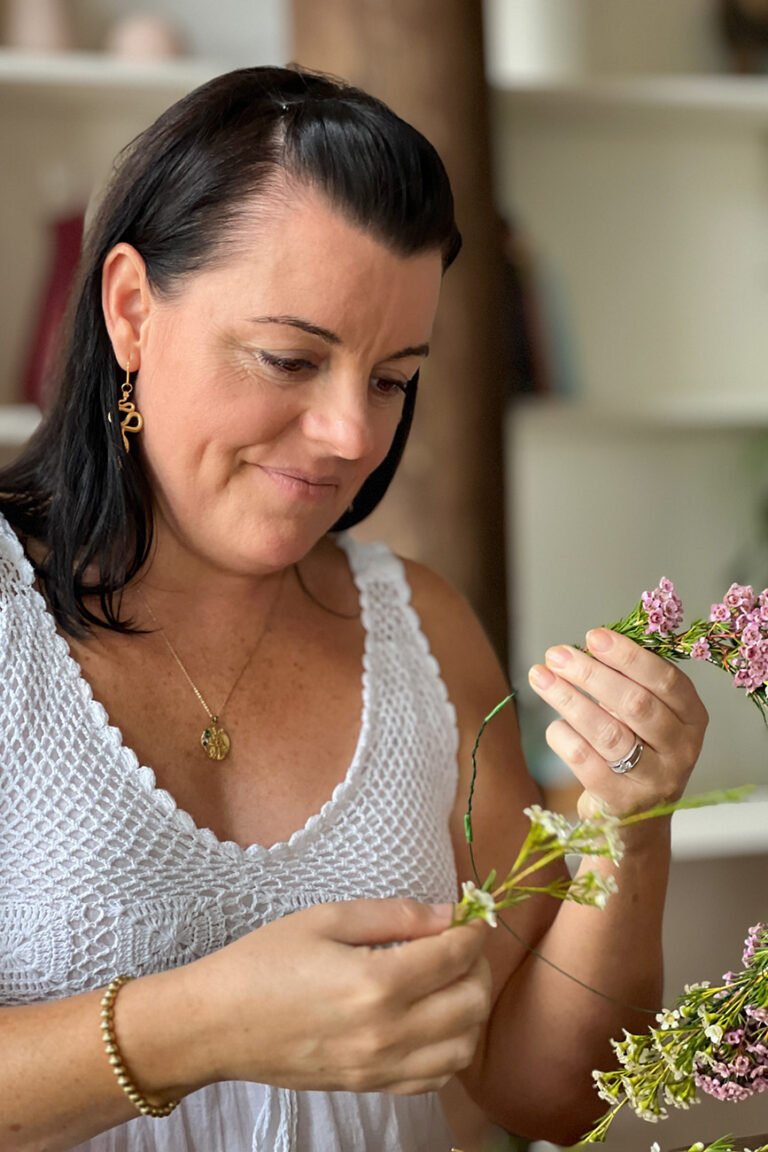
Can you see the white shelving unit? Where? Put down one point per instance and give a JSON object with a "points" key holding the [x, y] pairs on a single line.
{"points": [[728, 98], [63, 118], [72, 76], [645, 205], [17, 423], [726, 830]]}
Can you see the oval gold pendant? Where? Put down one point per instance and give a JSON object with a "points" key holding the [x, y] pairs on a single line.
{"points": [[215, 741]]}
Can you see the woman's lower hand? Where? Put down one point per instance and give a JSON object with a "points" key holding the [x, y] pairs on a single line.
{"points": [[609, 698], [309, 1002]]}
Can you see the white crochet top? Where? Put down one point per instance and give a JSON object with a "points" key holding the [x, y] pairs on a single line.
{"points": [[101, 873]]}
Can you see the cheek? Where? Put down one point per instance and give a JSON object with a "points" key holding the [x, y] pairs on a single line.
{"points": [[199, 431]]}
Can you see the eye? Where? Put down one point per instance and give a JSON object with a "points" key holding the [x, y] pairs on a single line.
{"points": [[287, 365], [385, 386]]}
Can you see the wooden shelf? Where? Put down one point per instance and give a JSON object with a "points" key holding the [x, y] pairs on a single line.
{"points": [[707, 97], [684, 411], [85, 72], [90, 83], [725, 830], [17, 423]]}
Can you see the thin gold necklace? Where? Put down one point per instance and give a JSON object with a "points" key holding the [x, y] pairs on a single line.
{"points": [[215, 740]]}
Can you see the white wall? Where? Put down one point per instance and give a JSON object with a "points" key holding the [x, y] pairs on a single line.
{"points": [[547, 38]]}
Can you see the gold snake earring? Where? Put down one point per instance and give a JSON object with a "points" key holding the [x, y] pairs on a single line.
{"points": [[132, 421]]}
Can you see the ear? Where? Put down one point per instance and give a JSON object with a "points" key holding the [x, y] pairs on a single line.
{"points": [[126, 301]]}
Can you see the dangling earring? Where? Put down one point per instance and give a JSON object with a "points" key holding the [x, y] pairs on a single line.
{"points": [[132, 420]]}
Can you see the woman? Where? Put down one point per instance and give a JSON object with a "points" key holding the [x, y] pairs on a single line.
{"points": [[257, 296]]}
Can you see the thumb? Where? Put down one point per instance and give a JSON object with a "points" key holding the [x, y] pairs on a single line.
{"points": [[590, 805], [386, 921]]}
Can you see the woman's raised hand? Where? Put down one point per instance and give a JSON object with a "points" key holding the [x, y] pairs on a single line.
{"points": [[612, 698], [310, 1002]]}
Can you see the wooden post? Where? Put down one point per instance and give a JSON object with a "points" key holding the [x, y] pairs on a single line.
{"points": [[446, 507]]}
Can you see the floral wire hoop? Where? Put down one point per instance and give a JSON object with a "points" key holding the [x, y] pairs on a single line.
{"points": [[470, 838]]}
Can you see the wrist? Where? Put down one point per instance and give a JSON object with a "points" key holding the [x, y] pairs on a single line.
{"points": [[161, 1034], [647, 852], [648, 837]]}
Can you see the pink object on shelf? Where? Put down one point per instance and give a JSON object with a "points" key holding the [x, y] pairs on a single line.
{"points": [[38, 25], [145, 37], [67, 234]]}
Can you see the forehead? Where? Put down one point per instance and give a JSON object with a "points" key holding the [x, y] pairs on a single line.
{"points": [[294, 250]]}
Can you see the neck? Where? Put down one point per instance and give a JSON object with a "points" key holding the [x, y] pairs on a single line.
{"points": [[179, 579]]}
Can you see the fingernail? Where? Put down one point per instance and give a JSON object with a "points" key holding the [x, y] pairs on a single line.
{"points": [[442, 911], [559, 656], [541, 677], [600, 639]]}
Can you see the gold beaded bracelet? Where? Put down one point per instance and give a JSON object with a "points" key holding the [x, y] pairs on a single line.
{"points": [[140, 1102]]}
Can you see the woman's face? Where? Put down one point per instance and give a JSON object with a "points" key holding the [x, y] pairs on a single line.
{"points": [[271, 384]]}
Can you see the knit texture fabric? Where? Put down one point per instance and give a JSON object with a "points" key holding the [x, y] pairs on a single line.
{"points": [[101, 873]]}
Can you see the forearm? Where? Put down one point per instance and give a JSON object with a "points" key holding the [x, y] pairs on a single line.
{"points": [[57, 1088], [548, 1032]]}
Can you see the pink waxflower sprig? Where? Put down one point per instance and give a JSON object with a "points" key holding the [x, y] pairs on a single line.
{"points": [[714, 1040], [734, 638]]}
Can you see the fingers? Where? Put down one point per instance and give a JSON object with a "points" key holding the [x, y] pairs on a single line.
{"points": [[438, 1036], [637, 694], [371, 922], [598, 718], [424, 967], [432, 955], [430, 1069], [430, 997], [566, 741], [609, 698], [615, 707], [643, 667], [351, 1016]]}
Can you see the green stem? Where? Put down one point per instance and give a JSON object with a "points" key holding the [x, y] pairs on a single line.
{"points": [[597, 1134], [513, 880]]}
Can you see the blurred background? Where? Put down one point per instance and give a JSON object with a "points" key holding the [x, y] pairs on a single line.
{"points": [[595, 413]]}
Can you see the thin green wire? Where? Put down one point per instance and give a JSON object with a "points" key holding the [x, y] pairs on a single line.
{"points": [[469, 836]]}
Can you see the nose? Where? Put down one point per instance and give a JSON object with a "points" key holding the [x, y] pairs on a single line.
{"points": [[341, 419]]}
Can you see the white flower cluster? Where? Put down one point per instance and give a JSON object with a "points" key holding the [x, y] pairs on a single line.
{"points": [[481, 904], [597, 836], [592, 889], [718, 1146]]}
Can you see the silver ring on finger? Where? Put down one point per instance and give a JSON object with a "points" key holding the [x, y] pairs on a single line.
{"points": [[628, 762]]}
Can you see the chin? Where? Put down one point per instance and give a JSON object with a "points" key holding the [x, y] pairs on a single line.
{"points": [[268, 547]]}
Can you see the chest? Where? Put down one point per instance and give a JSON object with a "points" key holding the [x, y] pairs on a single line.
{"points": [[101, 872], [293, 722]]}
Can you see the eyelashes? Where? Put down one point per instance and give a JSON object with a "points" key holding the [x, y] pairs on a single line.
{"points": [[290, 365], [387, 386], [295, 367]]}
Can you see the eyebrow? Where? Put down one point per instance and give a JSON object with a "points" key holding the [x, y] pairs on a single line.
{"points": [[333, 338]]}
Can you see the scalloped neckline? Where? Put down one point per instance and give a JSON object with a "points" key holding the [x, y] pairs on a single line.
{"points": [[163, 803]]}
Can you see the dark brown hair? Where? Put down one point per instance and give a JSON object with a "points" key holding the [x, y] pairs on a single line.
{"points": [[177, 194]]}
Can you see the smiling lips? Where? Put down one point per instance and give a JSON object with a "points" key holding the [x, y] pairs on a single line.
{"points": [[297, 483]]}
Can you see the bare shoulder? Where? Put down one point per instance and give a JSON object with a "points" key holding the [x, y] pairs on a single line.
{"points": [[474, 677], [457, 638]]}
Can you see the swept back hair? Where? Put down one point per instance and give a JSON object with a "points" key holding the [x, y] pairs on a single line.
{"points": [[177, 194]]}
